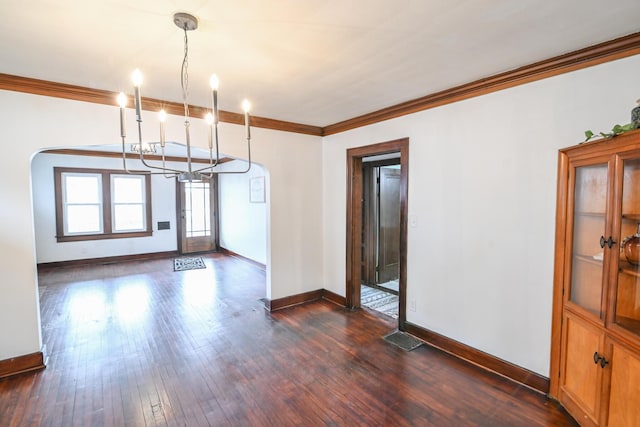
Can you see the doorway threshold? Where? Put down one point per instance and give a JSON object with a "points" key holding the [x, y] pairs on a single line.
{"points": [[380, 300]]}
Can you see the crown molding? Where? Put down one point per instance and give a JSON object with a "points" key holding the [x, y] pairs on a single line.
{"points": [[105, 97], [597, 54], [130, 156], [593, 55]]}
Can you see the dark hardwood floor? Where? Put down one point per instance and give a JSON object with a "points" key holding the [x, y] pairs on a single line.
{"points": [[136, 344]]}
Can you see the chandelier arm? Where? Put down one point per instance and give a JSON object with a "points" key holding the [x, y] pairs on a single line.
{"points": [[188, 140], [210, 166], [142, 159], [126, 169], [124, 157], [211, 163], [240, 171], [164, 169]]}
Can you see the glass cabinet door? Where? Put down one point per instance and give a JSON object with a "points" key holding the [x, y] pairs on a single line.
{"points": [[589, 216], [627, 309]]}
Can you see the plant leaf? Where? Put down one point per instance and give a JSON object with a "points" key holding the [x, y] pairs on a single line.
{"points": [[588, 135]]}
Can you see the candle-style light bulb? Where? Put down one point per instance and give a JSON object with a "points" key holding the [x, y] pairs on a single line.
{"points": [[136, 77], [246, 106], [162, 116], [122, 102], [214, 82]]}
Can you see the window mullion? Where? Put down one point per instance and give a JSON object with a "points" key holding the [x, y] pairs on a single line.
{"points": [[107, 204]]}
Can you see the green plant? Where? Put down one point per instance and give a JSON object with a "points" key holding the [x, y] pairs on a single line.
{"points": [[616, 130]]}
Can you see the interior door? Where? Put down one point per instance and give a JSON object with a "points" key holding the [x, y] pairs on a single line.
{"points": [[389, 224], [197, 212]]}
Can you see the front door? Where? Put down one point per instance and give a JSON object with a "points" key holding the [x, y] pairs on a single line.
{"points": [[197, 211]]}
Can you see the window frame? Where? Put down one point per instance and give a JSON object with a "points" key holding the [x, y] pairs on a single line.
{"points": [[115, 203], [97, 203], [107, 206]]}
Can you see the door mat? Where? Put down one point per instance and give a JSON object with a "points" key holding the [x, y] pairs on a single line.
{"points": [[188, 263], [402, 340]]}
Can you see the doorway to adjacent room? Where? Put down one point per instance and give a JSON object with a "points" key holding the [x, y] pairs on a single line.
{"points": [[381, 234], [370, 254]]}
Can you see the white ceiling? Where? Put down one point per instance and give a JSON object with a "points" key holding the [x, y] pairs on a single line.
{"points": [[312, 62]]}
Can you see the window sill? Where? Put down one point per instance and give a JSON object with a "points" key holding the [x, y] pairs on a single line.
{"points": [[85, 237]]}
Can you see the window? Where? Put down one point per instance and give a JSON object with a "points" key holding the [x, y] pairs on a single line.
{"points": [[128, 203], [101, 204]]}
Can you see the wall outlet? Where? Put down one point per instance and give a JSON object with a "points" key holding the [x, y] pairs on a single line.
{"points": [[412, 305]]}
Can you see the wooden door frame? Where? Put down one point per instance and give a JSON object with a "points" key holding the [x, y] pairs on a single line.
{"points": [[354, 220], [369, 219], [214, 213]]}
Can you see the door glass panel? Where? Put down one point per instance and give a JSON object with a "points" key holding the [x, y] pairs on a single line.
{"points": [[588, 226], [628, 293], [197, 209]]}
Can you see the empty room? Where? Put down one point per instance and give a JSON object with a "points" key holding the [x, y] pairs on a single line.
{"points": [[413, 213]]}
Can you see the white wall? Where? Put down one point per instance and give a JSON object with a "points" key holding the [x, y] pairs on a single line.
{"points": [[163, 208], [243, 225], [482, 185], [482, 177], [32, 123]]}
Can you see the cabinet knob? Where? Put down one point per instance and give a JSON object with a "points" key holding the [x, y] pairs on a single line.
{"points": [[609, 242], [597, 358]]}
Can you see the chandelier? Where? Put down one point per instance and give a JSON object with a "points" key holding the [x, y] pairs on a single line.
{"points": [[185, 22]]}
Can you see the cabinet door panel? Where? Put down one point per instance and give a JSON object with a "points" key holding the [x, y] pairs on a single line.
{"points": [[581, 377], [624, 403], [627, 306], [589, 214]]}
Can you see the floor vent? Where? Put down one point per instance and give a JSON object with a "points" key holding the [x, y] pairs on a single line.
{"points": [[402, 340]]}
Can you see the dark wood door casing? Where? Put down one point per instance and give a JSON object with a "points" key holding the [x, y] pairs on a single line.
{"points": [[354, 220], [369, 225]]}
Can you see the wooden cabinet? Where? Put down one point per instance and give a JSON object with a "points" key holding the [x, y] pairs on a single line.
{"points": [[595, 351]]}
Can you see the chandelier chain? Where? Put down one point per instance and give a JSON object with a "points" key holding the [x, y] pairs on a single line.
{"points": [[184, 75]]}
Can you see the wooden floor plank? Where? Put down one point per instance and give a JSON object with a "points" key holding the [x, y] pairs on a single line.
{"points": [[137, 344]]}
